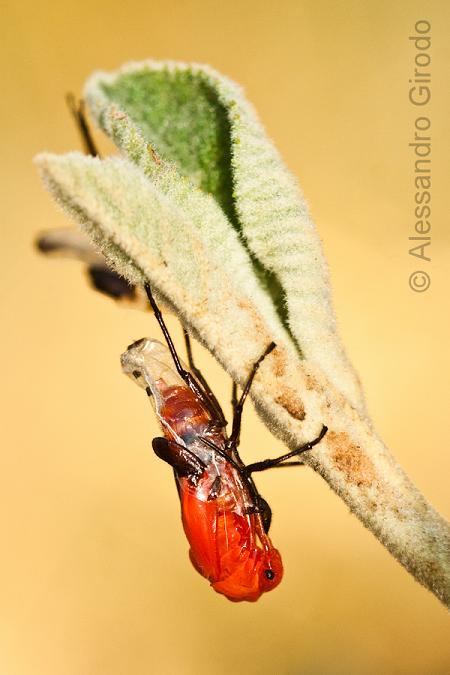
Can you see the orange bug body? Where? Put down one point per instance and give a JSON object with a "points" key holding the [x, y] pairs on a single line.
{"points": [[224, 545], [225, 529]]}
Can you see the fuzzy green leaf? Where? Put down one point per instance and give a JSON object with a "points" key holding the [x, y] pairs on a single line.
{"points": [[199, 121]]}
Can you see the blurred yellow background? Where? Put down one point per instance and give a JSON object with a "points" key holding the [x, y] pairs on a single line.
{"points": [[94, 573]]}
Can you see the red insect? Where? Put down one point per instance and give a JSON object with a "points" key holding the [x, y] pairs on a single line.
{"points": [[225, 519]]}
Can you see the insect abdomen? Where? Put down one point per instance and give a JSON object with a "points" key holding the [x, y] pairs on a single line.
{"points": [[184, 413]]}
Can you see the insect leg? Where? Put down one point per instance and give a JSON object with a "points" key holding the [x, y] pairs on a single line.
{"points": [[281, 466], [234, 402], [103, 279], [182, 460], [159, 317], [278, 461], [79, 115], [266, 513], [184, 374], [199, 375], [259, 504], [233, 441], [234, 395]]}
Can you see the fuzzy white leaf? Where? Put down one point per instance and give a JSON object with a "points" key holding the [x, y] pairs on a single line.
{"points": [[191, 253]]}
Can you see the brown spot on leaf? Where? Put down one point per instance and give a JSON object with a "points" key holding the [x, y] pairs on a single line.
{"points": [[350, 460], [289, 400], [156, 158], [312, 384], [259, 326], [279, 361], [118, 114]]}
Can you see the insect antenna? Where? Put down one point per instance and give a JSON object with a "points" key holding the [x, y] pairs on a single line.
{"points": [[77, 109]]}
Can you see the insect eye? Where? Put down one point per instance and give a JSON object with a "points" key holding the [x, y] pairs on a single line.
{"points": [[269, 574]]}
